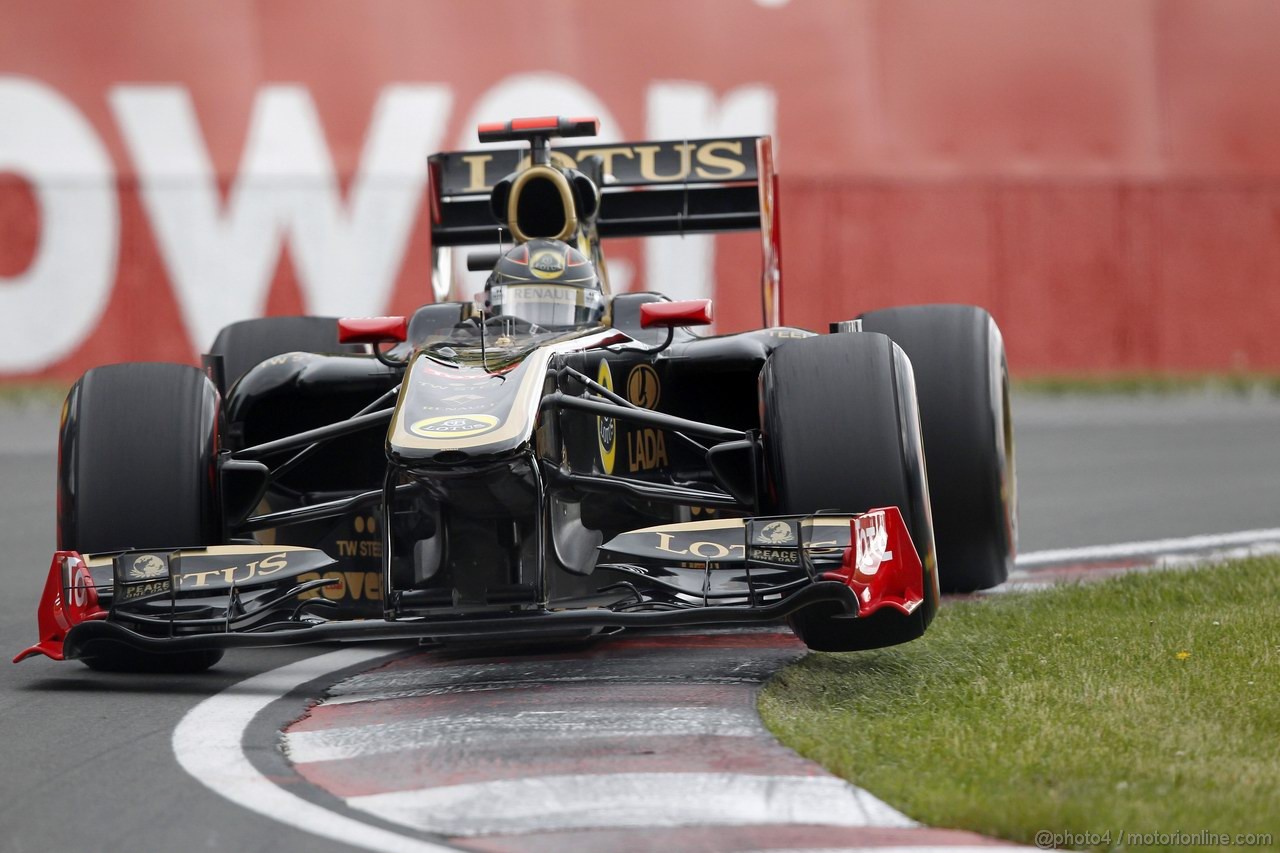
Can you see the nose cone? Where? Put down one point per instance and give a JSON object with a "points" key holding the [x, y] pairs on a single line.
{"points": [[451, 412]]}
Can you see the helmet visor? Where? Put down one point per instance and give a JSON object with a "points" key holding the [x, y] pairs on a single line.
{"points": [[548, 305]]}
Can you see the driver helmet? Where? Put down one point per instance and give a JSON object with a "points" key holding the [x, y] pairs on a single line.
{"points": [[545, 282]]}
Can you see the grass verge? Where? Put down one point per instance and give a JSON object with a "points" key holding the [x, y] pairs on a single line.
{"points": [[43, 392], [1148, 703], [1151, 384]]}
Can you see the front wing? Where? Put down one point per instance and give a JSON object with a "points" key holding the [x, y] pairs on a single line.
{"points": [[248, 596]]}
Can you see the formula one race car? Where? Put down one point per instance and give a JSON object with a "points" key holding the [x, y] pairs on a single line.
{"points": [[557, 461]]}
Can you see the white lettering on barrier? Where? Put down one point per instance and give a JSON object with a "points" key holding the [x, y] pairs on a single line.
{"points": [[222, 261], [50, 307], [221, 257]]}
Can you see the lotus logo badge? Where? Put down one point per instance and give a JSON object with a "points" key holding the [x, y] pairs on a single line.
{"points": [[148, 566], [547, 264], [776, 533], [605, 427], [454, 426]]}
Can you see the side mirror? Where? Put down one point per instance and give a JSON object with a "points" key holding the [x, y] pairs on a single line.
{"points": [[372, 330], [669, 315]]}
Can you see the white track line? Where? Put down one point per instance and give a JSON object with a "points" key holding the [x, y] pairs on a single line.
{"points": [[577, 724], [1152, 548], [632, 800], [209, 744]]}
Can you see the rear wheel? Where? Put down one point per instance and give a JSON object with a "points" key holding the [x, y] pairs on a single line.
{"points": [[963, 382], [248, 343], [841, 432], [137, 464]]}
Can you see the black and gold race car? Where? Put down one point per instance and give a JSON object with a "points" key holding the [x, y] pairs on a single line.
{"points": [[557, 461]]}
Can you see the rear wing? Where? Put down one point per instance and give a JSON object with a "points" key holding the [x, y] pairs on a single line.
{"points": [[696, 186]]}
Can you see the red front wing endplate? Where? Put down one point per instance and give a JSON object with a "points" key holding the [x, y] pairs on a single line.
{"points": [[881, 564], [69, 598]]}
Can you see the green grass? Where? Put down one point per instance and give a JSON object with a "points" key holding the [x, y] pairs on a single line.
{"points": [[28, 392], [1163, 384], [1147, 703]]}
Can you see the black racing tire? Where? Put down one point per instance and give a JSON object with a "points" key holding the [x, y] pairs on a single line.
{"points": [[248, 343], [841, 431], [137, 463], [962, 377]]}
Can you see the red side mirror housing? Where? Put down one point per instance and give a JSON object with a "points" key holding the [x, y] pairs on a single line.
{"points": [[669, 315], [372, 330]]}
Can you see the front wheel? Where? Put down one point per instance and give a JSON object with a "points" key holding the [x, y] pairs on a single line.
{"points": [[137, 466], [841, 431], [963, 379]]}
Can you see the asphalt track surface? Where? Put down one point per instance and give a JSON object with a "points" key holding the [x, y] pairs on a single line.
{"points": [[86, 760]]}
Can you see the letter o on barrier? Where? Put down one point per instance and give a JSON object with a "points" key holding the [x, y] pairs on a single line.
{"points": [[50, 307]]}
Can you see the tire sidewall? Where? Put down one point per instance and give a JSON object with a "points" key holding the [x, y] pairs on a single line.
{"points": [[841, 431], [962, 375]]}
